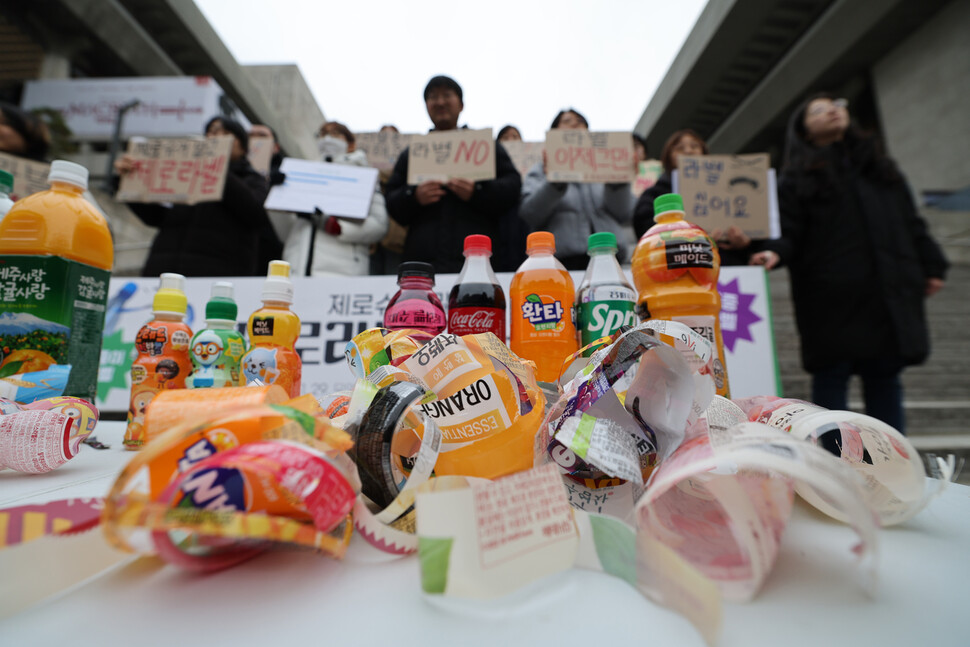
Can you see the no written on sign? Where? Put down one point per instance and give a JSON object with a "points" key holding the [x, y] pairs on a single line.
{"points": [[180, 171], [441, 156], [583, 156]]}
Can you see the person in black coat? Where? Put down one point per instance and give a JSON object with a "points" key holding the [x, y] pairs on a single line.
{"points": [[860, 258], [440, 215], [682, 142], [232, 237]]}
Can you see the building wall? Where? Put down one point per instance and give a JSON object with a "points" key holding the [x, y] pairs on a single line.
{"points": [[293, 101], [923, 92]]}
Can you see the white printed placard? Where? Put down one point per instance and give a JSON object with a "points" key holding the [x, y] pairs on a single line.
{"points": [[334, 189]]}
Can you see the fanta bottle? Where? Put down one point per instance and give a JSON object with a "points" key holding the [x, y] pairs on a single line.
{"points": [[541, 308], [675, 268], [217, 348], [273, 331], [56, 253], [163, 355]]}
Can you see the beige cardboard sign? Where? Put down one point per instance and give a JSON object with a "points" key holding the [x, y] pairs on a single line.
{"points": [[584, 156], [181, 171], [440, 156], [383, 148], [261, 154], [524, 155], [28, 176], [721, 191]]}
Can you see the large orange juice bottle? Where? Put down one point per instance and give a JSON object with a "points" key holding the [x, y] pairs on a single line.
{"points": [[56, 257], [163, 361], [675, 268], [273, 331], [541, 308]]}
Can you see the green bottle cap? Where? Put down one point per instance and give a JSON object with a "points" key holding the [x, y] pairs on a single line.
{"points": [[221, 304], [666, 203], [601, 239]]}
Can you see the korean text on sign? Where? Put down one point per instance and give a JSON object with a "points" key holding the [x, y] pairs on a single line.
{"points": [[181, 171], [583, 156], [441, 156], [721, 191]]}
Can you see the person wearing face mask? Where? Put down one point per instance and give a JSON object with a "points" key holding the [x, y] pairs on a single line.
{"points": [[574, 210], [861, 260], [321, 245], [231, 237]]}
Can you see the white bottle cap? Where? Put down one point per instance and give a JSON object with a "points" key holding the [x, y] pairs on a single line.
{"points": [[222, 289], [278, 286], [64, 171]]}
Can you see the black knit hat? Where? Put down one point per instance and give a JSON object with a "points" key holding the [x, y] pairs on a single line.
{"points": [[233, 127], [443, 82]]}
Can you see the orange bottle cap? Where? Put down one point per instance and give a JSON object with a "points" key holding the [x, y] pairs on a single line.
{"points": [[540, 239]]}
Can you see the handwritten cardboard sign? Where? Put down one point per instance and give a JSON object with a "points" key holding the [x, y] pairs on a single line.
{"points": [[441, 156], [334, 189], [181, 171], [28, 176], [524, 155], [647, 174], [383, 148], [261, 154], [724, 190], [583, 156]]}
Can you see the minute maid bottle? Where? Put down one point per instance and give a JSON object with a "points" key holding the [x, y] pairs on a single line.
{"points": [[273, 331], [675, 268], [217, 349]]}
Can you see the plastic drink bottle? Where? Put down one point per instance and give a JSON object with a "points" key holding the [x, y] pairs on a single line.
{"points": [[477, 303], [217, 349], [6, 188], [675, 269], [56, 256], [163, 360], [542, 296], [415, 305], [273, 331], [605, 299]]}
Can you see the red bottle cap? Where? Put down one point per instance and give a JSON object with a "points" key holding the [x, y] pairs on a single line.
{"points": [[478, 243]]}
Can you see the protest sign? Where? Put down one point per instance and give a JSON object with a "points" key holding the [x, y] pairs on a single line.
{"points": [[334, 189], [383, 148], [721, 191], [180, 171], [583, 156], [524, 155], [647, 173], [261, 154], [28, 176], [441, 156]]}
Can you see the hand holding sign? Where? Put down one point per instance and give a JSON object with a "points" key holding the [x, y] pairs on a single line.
{"points": [[724, 191], [181, 171], [583, 156], [442, 156]]}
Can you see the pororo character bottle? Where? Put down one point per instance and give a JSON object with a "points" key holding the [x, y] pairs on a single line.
{"points": [[163, 360], [541, 310], [675, 270], [273, 331], [217, 349]]}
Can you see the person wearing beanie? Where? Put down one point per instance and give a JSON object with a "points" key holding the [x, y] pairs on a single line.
{"points": [[231, 237], [440, 214]]}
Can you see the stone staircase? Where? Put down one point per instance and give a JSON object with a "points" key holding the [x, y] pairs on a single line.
{"points": [[937, 393]]}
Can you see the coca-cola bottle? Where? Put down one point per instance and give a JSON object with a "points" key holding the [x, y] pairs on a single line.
{"points": [[476, 303]]}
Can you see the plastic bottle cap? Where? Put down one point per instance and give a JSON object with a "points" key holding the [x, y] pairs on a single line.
{"points": [[278, 286], [415, 268], [221, 304], [538, 240], [601, 239], [667, 203], [170, 296], [64, 171], [6, 182], [477, 243]]}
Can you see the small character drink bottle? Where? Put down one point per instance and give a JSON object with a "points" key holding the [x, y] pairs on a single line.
{"points": [[163, 354], [541, 308], [675, 268], [476, 303], [217, 348], [415, 305], [273, 331], [605, 299]]}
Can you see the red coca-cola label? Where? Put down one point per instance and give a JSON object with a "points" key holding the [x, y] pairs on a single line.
{"points": [[470, 321]]}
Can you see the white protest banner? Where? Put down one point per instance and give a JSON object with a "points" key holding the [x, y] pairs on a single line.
{"points": [[260, 154], [181, 171], [524, 155], [28, 176], [583, 156], [441, 156], [334, 189], [383, 148], [333, 310], [647, 174], [721, 191]]}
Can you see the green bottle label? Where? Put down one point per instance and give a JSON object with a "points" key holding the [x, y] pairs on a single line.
{"points": [[597, 319]]}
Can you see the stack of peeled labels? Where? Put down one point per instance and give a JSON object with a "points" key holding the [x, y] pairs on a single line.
{"points": [[42, 435]]}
